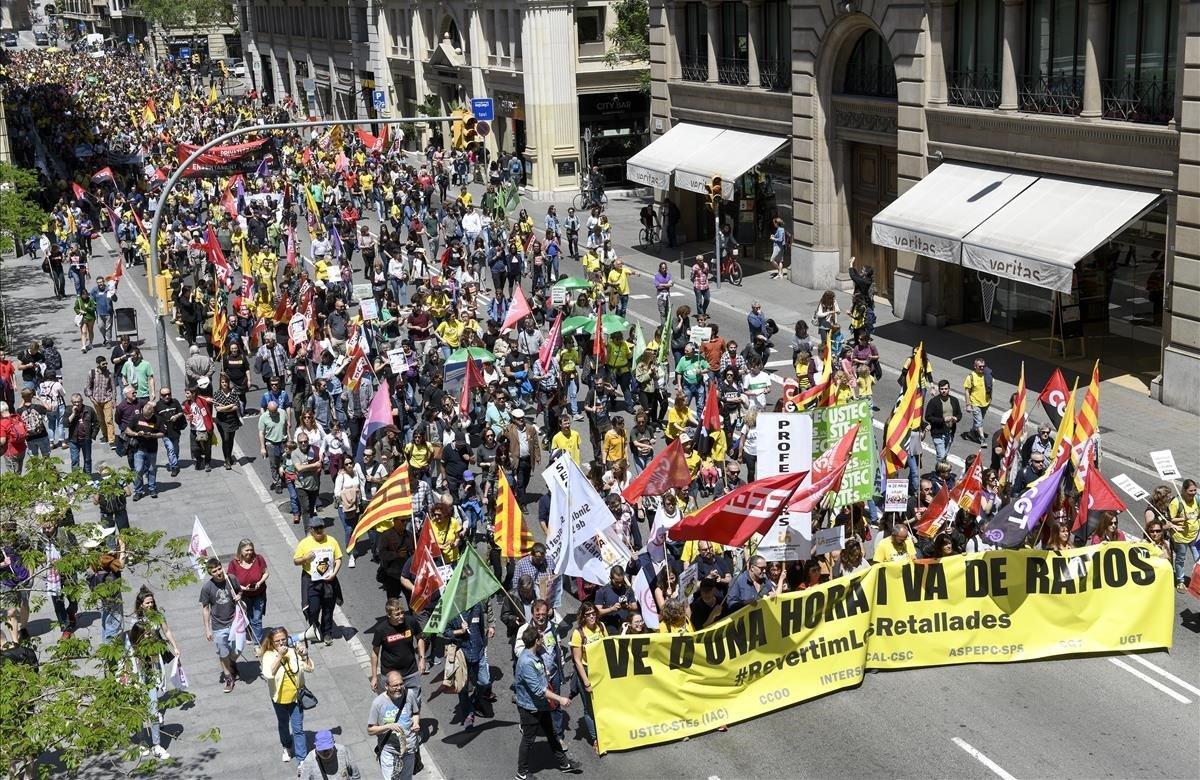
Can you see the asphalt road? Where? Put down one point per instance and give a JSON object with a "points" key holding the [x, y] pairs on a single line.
{"points": [[1083, 717]]}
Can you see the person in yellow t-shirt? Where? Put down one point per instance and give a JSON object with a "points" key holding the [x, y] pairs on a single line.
{"points": [[451, 331], [586, 633], [616, 442], [568, 440], [679, 416], [318, 553], [284, 668], [896, 547], [1184, 518], [674, 619], [978, 387], [447, 531]]}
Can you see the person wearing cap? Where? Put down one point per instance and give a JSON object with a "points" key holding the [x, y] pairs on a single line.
{"points": [[526, 451], [328, 760], [172, 421], [320, 557]]}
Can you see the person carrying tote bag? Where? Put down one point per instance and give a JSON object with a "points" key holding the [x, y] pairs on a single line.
{"points": [[284, 665]]}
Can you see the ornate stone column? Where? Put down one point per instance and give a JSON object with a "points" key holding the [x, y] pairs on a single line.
{"points": [[1010, 54], [1094, 53], [551, 105]]}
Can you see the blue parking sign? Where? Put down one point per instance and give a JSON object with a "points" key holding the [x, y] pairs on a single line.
{"points": [[483, 109], [379, 98], [184, 52], [130, 38]]}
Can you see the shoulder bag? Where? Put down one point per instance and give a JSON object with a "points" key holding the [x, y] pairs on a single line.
{"points": [[306, 698]]}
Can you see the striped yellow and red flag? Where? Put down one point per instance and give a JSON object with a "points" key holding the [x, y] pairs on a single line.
{"points": [[393, 501], [220, 327], [512, 537], [1087, 422], [149, 112], [1064, 437], [905, 416], [1014, 426]]}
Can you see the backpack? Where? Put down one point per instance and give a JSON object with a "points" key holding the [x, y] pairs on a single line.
{"points": [[33, 421], [51, 358], [17, 433]]}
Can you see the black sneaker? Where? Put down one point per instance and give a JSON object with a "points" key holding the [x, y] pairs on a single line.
{"points": [[571, 767]]}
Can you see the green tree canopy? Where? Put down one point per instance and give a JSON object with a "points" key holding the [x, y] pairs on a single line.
{"points": [[630, 37], [20, 216], [185, 14]]}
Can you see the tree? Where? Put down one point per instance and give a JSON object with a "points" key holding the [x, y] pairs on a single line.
{"points": [[20, 216], [78, 702], [630, 38], [185, 14]]}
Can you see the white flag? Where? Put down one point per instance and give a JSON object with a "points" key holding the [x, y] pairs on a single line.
{"points": [[200, 547], [581, 541], [643, 588]]}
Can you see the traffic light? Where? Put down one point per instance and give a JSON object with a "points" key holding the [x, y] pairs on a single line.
{"points": [[470, 135], [458, 128], [715, 198]]}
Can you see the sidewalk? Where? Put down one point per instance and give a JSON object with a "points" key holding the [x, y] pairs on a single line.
{"points": [[231, 510]]}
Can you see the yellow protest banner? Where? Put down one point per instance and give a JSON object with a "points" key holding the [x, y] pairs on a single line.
{"points": [[994, 607]]}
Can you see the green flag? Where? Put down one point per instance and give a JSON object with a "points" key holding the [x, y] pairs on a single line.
{"points": [[664, 345], [639, 342], [471, 583]]}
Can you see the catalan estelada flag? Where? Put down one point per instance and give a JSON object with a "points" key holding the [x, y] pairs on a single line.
{"points": [[393, 501], [220, 327], [149, 113], [512, 537], [905, 416]]}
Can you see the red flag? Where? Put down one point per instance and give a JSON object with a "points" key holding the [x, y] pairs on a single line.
{"points": [[229, 204], [141, 225], [551, 344], [79, 192], [212, 248], [945, 505], [518, 309], [160, 175], [710, 419], [1054, 397], [291, 246], [284, 310], [599, 348], [118, 271], [1097, 495], [473, 379], [426, 578], [1014, 426], [668, 469], [359, 367], [105, 174], [736, 516], [827, 473], [256, 333]]}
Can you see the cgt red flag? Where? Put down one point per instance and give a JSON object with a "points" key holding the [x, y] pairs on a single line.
{"points": [[471, 381], [736, 516], [668, 469], [105, 174], [79, 192], [945, 505], [426, 578], [1054, 397], [827, 473], [518, 309], [1097, 495]]}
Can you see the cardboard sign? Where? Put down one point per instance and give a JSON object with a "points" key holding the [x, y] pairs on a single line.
{"points": [[895, 497], [829, 539], [698, 334], [1131, 488], [1164, 461], [397, 361], [368, 308], [298, 329], [689, 580], [558, 296]]}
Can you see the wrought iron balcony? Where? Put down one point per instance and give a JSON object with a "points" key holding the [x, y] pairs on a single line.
{"points": [[733, 70], [694, 68], [775, 75], [878, 80], [1053, 94], [974, 89], [1138, 100]]}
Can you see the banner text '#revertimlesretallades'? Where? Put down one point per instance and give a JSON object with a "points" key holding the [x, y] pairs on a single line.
{"points": [[995, 607]]}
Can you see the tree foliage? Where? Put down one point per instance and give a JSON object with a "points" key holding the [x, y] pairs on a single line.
{"points": [[20, 215], [630, 38], [186, 14], [84, 700]]}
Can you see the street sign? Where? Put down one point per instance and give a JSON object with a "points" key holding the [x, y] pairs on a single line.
{"points": [[184, 52], [130, 38], [82, 27], [378, 98], [483, 109], [482, 129]]}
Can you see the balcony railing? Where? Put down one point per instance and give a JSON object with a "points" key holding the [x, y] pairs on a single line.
{"points": [[974, 89], [872, 80], [733, 70], [1054, 94], [775, 75], [694, 68], [1138, 100]]}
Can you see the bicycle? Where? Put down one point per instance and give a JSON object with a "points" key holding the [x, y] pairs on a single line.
{"points": [[731, 269], [650, 238], [588, 197]]}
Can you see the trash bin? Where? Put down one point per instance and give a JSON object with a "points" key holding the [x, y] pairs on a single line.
{"points": [[127, 322]]}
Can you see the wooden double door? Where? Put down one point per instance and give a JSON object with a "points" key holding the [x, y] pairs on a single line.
{"points": [[872, 187]]}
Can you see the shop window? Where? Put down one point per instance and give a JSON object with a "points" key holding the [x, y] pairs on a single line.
{"points": [[590, 24], [775, 50], [1141, 71], [1056, 35], [693, 51], [870, 70], [975, 79], [733, 58]]}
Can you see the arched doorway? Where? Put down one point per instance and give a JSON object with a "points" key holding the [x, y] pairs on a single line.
{"points": [[864, 132]]}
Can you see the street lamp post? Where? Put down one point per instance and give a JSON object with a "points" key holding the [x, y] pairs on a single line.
{"points": [[164, 366]]}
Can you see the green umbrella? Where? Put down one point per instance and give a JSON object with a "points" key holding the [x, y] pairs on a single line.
{"points": [[573, 283], [610, 322], [478, 353]]}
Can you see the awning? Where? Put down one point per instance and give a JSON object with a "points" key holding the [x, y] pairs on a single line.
{"points": [[728, 155], [653, 165], [932, 217], [1038, 238]]}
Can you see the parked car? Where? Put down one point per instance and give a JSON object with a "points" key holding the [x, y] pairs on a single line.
{"points": [[10, 39], [41, 39], [236, 67]]}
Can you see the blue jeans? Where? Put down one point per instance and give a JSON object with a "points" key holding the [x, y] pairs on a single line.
{"points": [[941, 444], [83, 448], [54, 425], [111, 620], [290, 719], [694, 392], [348, 522], [977, 413], [702, 298], [479, 682], [171, 443], [256, 608], [622, 305], [1179, 552], [144, 465], [392, 769], [293, 496]]}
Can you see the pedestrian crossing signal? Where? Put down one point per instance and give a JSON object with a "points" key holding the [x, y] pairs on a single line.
{"points": [[470, 133], [714, 194], [458, 128]]}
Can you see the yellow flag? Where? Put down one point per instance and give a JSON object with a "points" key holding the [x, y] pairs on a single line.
{"points": [[176, 103], [312, 202], [1066, 430], [212, 94]]}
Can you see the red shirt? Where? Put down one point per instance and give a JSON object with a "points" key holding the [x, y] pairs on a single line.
{"points": [[247, 577]]}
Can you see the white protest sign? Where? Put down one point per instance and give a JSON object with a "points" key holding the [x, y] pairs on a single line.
{"points": [[1131, 488], [446, 572], [698, 334], [558, 296], [829, 539], [689, 580], [397, 361], [1164, 461], [298, 329], [785, 447], [362, 292], [368, 308], [895, 497]]}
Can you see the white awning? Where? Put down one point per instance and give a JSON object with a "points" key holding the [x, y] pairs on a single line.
{"points": [[1038, 237], [932, 217], [728, 155], [652, 166]]}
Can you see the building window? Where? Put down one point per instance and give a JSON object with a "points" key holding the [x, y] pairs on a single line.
{"points": [[733, 57], [975, 80], [1055, 40], [1141, 72], [693, 54], [296, 17], [775, 50], [359, 28], [870, 70], [590, 23]]}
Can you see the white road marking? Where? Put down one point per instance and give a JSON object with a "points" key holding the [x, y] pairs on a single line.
{"points": [[954, 460], [778, 363], [985, 349], [981, 758], [1155, 667], [1151, 681]]}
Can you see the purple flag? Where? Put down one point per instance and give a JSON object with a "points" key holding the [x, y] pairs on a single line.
{"points": [[241, 189], [1013, 523], [336, 238], [379, 416], [262, 169]]}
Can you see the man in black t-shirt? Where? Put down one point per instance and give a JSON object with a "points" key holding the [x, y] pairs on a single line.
{"points": [[398, 646], [714, 568], [145, 433], [616, 601]]}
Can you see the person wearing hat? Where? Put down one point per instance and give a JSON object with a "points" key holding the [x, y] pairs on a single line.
{"points": [[320, 557], [526, 451], [328, 760]]}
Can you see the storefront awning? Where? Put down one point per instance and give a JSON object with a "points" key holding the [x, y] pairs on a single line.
{"points": [[934, 215], [652, 166], [1038, 237], [728, 155]]}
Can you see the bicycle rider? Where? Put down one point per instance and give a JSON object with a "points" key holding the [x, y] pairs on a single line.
{"points": [[596, 185], [728, 243], [649, 218]]}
